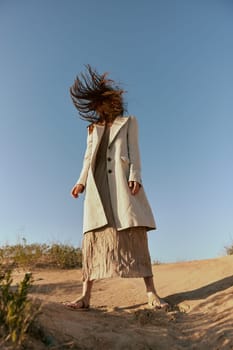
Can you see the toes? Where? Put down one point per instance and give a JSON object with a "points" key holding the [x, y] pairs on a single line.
{"points": [[77, 305], [159, 304]]}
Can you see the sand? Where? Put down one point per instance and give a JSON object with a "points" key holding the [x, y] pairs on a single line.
{"points": [[200, 293]]}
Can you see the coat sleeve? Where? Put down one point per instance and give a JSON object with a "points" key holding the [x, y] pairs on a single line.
{"points": [[133, 149], [86, 161]]}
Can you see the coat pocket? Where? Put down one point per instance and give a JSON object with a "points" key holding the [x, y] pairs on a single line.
{"points": [[125, 159], [125, 166]]}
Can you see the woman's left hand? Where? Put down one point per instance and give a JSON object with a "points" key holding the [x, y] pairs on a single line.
{"points": [[134, 187]]}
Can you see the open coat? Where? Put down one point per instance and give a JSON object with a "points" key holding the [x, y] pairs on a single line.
{"points": [[123, 165]]}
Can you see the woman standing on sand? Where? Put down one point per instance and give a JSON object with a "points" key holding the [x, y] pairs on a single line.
{"points": [[117, 214]]}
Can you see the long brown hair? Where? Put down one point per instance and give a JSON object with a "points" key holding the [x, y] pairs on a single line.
{"points": [[96, 97]]}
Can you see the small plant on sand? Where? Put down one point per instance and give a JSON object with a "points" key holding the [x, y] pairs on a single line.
{"points": [[17, 311]]}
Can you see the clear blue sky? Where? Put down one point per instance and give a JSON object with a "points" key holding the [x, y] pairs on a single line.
{"points": [[174, 57]]}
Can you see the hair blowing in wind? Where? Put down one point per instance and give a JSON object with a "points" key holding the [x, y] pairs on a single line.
{"points": [[95, 96]]}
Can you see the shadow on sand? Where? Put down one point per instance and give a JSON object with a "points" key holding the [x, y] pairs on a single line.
{"points": [[202, 292]]}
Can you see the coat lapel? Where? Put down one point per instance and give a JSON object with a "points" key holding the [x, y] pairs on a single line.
{"points": [[116, 126]]}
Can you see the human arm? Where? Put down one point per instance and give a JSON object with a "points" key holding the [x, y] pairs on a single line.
{"points": [[81, 182], [134, 155]]}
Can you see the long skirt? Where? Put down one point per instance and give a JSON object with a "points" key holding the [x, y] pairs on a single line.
{"points": [[110, 253]]}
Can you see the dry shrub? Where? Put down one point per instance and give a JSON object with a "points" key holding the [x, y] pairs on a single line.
{"points": [[65, 256], [26, 256], [229, 249]]}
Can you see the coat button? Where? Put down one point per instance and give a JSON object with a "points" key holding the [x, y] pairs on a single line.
{"points": [[109, 159], [109, 171]]}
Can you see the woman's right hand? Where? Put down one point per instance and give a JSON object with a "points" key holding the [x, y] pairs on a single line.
{"points": [[76, 190]]}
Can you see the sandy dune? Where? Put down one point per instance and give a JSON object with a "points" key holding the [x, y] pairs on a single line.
{"points": [[200, 292]]}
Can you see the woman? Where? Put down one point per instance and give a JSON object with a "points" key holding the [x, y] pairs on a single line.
{"points": [[117, 214]]}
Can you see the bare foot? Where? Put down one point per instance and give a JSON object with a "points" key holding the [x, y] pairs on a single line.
{"points": [[78, 304], [155, 302]]}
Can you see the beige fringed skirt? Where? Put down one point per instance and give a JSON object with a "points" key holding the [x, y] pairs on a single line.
{"points": [[107, 252]]}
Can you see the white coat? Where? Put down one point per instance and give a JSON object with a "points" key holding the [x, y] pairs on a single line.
{"points": [[123, 162]]}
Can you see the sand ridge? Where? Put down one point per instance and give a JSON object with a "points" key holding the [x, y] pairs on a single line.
{"points": [[200, 292]]}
